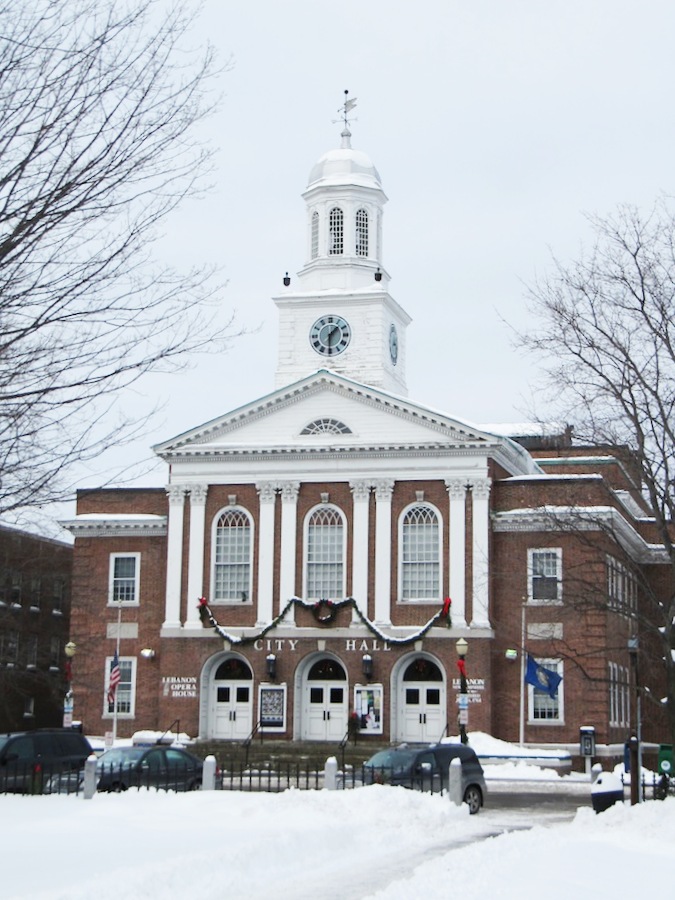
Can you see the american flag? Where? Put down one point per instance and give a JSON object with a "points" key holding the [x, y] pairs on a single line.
{"points": [[114, 680]]}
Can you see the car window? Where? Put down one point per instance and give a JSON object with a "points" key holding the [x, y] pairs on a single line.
{"points": [[177, 759], [153, 760], [22, 747], [426, 762]]}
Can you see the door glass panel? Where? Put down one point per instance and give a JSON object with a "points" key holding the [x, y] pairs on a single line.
{"points": [[412, 696], [316, 695], [242, 695], [223, 695], [433, 696], [336, 695]]}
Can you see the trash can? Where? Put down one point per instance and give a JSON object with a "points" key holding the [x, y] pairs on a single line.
{"points": [[607, 790], [666, 761]]}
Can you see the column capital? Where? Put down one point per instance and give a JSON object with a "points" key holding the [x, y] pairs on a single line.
{"points": [[360, 489], [384, 488], [267, 491], [176, 493], [480, 487], [198, 493], [289, 491], [456, 488]]}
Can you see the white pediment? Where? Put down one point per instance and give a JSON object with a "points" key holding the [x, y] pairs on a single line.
{"points": [[337, 413]]}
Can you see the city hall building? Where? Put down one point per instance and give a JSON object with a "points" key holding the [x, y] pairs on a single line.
{"points": [[317, 554]]}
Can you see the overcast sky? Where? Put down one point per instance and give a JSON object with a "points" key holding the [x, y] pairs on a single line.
{"points": [[495, 127]]}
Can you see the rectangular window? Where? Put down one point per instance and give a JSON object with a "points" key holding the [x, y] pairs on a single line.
{"points": [[35, 592], [126, 689], [544, 571], [124, 584], [9, 647], [31, 651], [619, 695], [54, 653], [58, 593], [543, 708], [15, 595], [621, 587]]}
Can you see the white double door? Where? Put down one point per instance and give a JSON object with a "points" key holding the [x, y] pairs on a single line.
{"points": [[232, 710], [326, 710]]}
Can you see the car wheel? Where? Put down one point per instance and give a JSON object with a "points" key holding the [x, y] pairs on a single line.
{"points": [[473, 799], [117, 787], [194, 786]]}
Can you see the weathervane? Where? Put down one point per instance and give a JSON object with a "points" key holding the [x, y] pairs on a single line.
{"points": [[345, 109]]}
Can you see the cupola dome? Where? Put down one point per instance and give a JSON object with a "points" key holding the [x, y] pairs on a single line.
{"points": [[344, 166]]}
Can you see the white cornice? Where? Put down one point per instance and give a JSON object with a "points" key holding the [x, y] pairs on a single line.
{"points": [[568, 519], [103, 525]]}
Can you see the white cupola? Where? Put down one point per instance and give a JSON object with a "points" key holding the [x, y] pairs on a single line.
{"points": [[339, 314]]}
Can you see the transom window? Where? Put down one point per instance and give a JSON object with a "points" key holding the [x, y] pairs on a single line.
{"points": [[420, 554], [232, 566], [545, 575], [326, 426], [361, 232], [315, 235], [325, 555], [336, 232]]}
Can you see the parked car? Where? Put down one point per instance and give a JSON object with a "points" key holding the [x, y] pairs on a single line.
{"points": [[157, 766], [29, 759], [427, 768]]}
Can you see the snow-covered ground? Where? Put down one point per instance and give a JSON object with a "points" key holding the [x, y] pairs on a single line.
{"points": [[372, 842]]}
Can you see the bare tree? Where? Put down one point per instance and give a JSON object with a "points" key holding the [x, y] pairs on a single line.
{"points": [[100, 103], [605, 328]]}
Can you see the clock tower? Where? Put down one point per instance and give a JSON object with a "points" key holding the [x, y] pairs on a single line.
{"points": [[338, 314]]}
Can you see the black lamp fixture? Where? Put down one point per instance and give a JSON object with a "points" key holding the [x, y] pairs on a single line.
{"points": [[271, 666], [378, 275], [367, 664], [287, 279]]}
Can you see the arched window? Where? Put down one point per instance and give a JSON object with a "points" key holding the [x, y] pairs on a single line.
{"points": [[326, 426], [335, 232], [325, 555], [420, 554], [361, 232], [315, 235], [232, 557]]}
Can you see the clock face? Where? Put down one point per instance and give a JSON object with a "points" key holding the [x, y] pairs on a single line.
{"points": [[393, 344], [330, 335]]}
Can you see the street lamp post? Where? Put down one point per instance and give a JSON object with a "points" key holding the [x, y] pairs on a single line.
{"points": [[635, 743], [70, 650], [462, 649]]}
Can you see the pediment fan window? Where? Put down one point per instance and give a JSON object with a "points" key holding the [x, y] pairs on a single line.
{"points": [[326, 426]]}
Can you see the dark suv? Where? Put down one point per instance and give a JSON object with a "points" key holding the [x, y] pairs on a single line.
{"points": [[427, 769], [28, 759]]}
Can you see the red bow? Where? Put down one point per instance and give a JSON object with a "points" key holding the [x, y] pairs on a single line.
{"points": [[446, 606], [461, 665]]}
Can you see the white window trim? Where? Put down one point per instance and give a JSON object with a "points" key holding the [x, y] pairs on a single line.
{"points": [[108, 662], [530, 570], [305, 561], [548, 723], [214, 531], [438, 598], [137, 580]]}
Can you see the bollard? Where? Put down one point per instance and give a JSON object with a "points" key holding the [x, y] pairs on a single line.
{"points": [[90, 779], [455, 781], [209, 774], [330, 774]]}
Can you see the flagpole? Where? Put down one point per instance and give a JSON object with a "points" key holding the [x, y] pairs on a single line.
{"points": [[117, 653], [521, 734]]}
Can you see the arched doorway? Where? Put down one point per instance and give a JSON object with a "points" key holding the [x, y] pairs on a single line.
{"points": [[422, 701], [325, 701], [231, 706]]}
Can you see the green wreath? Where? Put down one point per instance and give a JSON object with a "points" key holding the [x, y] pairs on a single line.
{"points": [[324, 611]]}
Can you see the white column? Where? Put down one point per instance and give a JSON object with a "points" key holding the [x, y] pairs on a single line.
{"points": [[195, 588], [289, 520], [383, 491], [174, 555], [361, 493], [267, 491], [480, 490], [457, 557]]}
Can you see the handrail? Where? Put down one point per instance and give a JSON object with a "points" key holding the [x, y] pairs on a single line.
{"points": [[249, 740], [175, 722]]}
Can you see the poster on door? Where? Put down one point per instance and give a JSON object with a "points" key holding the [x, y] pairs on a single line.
{"points": [[272, 705], [368, 708]]}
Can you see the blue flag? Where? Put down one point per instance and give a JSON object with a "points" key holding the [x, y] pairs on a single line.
{"points": [[545, 680]]}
